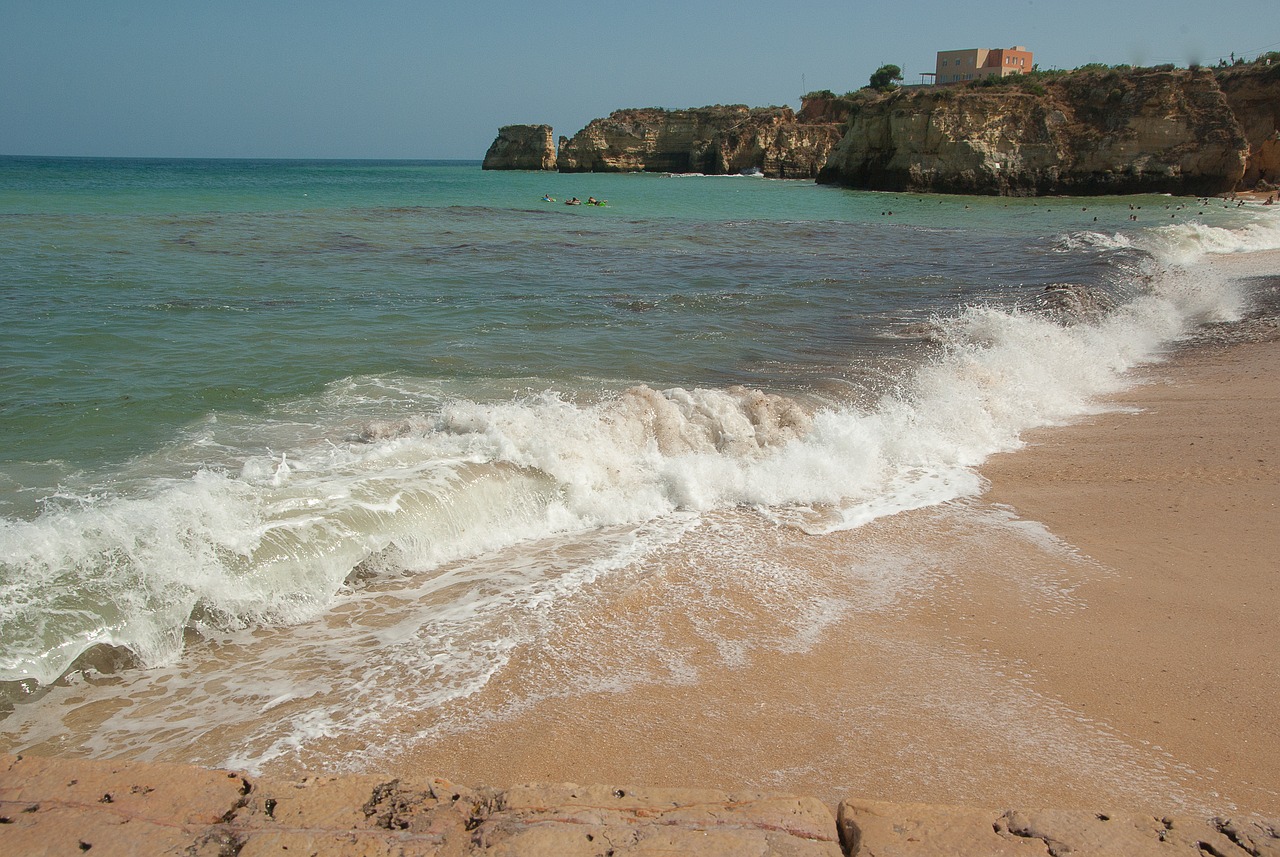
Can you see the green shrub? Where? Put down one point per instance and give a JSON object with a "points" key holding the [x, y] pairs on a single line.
{"points": [[884, 79]]}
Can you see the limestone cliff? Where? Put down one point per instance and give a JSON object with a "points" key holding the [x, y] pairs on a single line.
{"points": [[1254, 95], [522, 147], [715, 140], [1108, 132]]}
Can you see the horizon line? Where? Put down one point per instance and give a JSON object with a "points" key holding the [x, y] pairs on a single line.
{"points": [[239, 158]]}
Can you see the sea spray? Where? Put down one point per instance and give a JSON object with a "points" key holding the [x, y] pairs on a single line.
{"points": [[1187, 243], [275, 542], [373, 450]]}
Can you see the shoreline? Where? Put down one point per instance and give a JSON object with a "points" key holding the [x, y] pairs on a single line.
{"points": [[1034, 645], [1050, 643], [1182, 501], [1143, 684], [1097, 630]]}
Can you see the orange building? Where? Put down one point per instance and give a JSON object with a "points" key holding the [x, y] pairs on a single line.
{"points": [[977, 63]]}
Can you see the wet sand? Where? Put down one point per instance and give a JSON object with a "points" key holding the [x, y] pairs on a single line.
{"points": [[1100, 629], [1181, 645]]}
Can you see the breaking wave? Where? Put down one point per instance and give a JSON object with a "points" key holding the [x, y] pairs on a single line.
{"points": [[243, 523]]}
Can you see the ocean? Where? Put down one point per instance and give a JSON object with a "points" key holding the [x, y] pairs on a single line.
{"points": [[296, 453]]}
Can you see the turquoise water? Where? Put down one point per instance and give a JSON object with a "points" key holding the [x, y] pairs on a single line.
{"points": [[232, 393], [143, 295]]}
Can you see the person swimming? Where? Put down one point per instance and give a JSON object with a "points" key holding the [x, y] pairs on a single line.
{"points": [[574, 201], [546, 197]]}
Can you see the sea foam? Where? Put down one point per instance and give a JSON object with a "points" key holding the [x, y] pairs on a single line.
{"points": [[273, 535]]}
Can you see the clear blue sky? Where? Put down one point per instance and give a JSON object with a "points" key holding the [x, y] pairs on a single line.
{"points": [[434, 79]]}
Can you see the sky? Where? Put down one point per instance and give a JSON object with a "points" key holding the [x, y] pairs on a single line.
{"points": [[435, 79]]}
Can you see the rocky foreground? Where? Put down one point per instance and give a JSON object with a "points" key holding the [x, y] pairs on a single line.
{"points": [[57, 806]]}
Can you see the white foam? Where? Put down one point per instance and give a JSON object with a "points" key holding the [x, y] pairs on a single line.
{"points": [[1188, 242], [271, 535]]}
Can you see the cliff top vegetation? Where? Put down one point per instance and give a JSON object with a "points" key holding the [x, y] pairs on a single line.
{"points": [[1265, 65]]}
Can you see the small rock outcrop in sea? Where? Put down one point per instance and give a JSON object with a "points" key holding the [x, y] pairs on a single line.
{"points": [[718, 140], [522, 147], [1074, 302], [715, 140], [1096, 132]]}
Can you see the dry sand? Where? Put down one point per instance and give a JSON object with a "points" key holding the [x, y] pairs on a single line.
{"points": [[1182, 644]]}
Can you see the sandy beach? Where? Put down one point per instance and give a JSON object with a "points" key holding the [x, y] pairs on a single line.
{"points": [[1182, 501], [1095, 631], [1098, 629]]}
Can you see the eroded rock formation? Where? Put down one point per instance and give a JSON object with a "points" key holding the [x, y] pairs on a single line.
{"points": [[522, 147], [874, 829], [1254, 96], [1189, 132], [718, 140], [70, 806], [1110, 132], [54, 806]]}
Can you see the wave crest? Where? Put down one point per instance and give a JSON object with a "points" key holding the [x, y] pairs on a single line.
{"points": [[273, 535]]}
